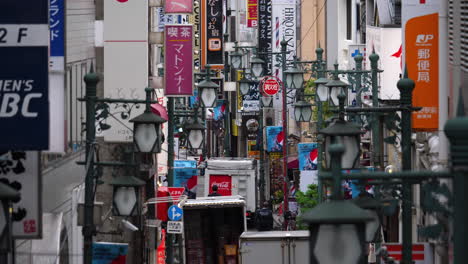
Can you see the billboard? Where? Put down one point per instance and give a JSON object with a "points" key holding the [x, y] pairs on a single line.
{"points": [[307, 155], [125, 34], [178, 77], [421, 57], [212, 33], [224, 183], [109, 253], [21, 171], [24, 74], [274, 138]]}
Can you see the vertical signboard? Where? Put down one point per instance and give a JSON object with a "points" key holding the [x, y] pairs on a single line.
{"points": [[251, 100], [252, 13], [212, 33], [178, 6], [21, 171], [265, 32], [178, 78], [125, 34], [421, 55], [24, 74], [57, 75], [194, 19], [284, 27], [307, 155]]}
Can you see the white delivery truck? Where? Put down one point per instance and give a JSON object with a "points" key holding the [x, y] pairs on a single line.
{"points": [[233, 176], [274, 247], [212, 228]]}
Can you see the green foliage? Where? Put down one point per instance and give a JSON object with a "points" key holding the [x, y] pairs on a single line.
{"points": [[306, 201]]}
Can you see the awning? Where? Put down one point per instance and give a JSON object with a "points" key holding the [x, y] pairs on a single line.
{"points": [[293, 162], [160, 111]]}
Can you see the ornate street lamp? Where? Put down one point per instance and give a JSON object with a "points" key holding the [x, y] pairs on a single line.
{"points": [[322, 89], [196, 134], [336, 87], [147, 129], [266, 101], [337, 224], [244, 84], [126, 194], [294, 77], [208, 90], [302, 111], [257, 65], [348, 134], [236, 57]]}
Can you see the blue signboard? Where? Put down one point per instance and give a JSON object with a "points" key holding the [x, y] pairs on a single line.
{"points": [[24, 74], [174, 213], [307, 155], [108, 253], [57, 31], [274, 138]]}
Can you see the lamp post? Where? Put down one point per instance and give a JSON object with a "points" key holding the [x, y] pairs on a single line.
{"points": [[147, 128]]}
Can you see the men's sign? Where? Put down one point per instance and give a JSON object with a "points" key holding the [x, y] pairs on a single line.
{"points": [[24, 82]]}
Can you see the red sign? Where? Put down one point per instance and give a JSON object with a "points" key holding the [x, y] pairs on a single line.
{"points": [[224, 183], [270, 85], [252, 13], [176, 192], [419, 252], [161, 251]]}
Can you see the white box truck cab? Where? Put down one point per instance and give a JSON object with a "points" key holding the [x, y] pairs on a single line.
{"points": [[212, 228]]}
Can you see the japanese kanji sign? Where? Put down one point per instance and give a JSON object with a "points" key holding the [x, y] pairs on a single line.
{"points": [[422, 61], [212, 33], [178, 6], [265, 32], [179, 60]]}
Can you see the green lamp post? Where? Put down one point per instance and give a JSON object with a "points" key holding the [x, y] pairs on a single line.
{"points": [[337, 224], [7, 195], [208, 90], [336, 87], [257, 66]]}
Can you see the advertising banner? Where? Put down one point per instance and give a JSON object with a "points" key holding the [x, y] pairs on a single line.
{"points": [[178, 6], [212, 33], [24, 74], [265, 32], [420, 24], [251, 101], [194, 19], [125, 34], [307, 155], [21, 171], [284, 27], [252, 13], [168, 19], [186, 174], [274, 138], [224, 183], [179, 65], [109, 253], [422, 61]]}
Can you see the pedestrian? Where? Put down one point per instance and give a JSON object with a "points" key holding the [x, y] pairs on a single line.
{"points": [[214, 191], [264, 218]]}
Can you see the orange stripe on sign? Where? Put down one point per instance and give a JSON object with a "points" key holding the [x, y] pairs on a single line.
{"points": [[415, 256]]}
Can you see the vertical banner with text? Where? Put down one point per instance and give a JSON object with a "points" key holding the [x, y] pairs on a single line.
{"points": [[179, 64], [252, 13], [21, 171], [212, 33], [265, 32], [422, 61], [274, 138]]}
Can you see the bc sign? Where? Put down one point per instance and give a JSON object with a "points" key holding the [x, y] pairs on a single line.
{"points": [[24, 101]]}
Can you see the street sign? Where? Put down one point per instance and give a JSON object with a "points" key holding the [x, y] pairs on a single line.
{"points": [[270, 85], [24, 74], [175, 213], [175, 227], [176, 192]]}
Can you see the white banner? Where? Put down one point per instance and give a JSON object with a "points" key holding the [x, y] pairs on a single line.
{"points": [[21, 171], [125, 64]]}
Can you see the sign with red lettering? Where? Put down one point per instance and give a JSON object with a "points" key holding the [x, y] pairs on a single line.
{"points": [[270, 85], [176, 192], [224, 183]]}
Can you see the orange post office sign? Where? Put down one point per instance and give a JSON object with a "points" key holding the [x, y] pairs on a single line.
{"points": [[422, 61]]}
